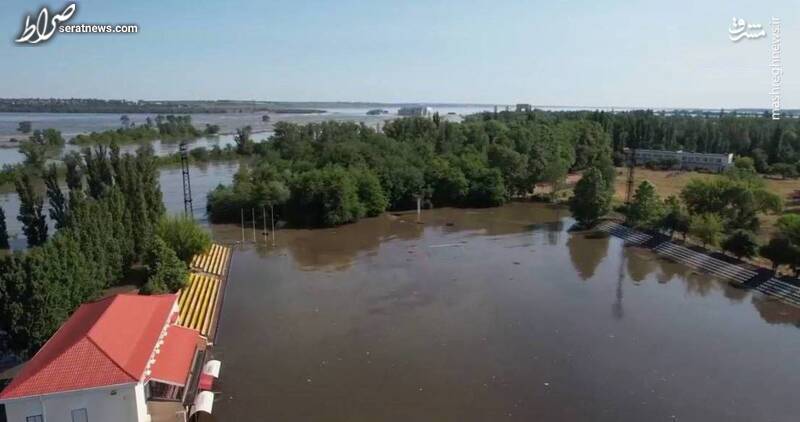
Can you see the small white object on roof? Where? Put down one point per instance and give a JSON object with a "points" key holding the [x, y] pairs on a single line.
{"points": [[203, 402], [212, 368]]}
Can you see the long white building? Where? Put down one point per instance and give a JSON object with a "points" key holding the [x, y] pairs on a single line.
{"points": [[685, 160]]}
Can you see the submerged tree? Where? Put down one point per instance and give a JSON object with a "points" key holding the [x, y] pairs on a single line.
{"points": [[34, 224], [3, 230], [591, 199], [55, 197], [244, 145], [675, 217]]}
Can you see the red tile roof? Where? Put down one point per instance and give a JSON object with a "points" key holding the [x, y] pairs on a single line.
{"points": [[174, 361], [107, 342]]}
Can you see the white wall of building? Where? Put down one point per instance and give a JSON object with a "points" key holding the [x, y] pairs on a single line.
{"points": [[121, 404]]}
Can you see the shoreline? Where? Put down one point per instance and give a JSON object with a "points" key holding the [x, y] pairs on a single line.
{"points": [[738, 273]]}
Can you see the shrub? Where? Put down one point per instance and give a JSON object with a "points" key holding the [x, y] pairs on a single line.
{"points": [[184, 236], [164, 269]]}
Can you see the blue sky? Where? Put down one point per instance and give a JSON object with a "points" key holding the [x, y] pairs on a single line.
{"points": [[618, 53]]}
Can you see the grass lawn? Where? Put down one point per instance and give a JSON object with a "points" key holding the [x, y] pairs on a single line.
{"points": [[671, 182]]}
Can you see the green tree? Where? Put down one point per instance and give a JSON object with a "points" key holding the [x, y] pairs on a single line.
{"points": [[591, 198], [675, 218], [785, 170], [645, 209], [244, 144], [24, 127], [707, 228], [780, 251], [3, 230], [324, 197], [184, 236], [448, 183], [746, 163], [35, 154], [370, 193], [741, 243], [737, 201], [789, 227], [165, 271], [30, 215], [55, 197], [74, 164]]}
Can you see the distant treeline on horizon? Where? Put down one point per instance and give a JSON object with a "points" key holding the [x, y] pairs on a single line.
{"points": [[92, 105]]}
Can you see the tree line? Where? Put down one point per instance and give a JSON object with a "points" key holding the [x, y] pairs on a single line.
{"points": [[718, 212], [109, 224], [162, 127], [325, 174]]}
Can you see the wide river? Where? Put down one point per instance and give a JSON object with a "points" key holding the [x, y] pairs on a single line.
{"points": [[204, 177], [492, 314]]}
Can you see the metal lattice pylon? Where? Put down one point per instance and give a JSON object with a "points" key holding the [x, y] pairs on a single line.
{"points": [[187, 184]]}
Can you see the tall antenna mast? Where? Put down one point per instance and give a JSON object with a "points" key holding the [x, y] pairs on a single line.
{"points": [[187, 184]]}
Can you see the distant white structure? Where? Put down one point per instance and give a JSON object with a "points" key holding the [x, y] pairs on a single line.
{"points": [[685, 160], [521, 107], [415, 112]]}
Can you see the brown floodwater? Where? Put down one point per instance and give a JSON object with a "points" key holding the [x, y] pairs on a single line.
{"points": [[492, 314]]}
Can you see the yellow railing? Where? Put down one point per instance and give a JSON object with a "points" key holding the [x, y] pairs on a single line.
{"points": [[214, 261], [197, 300]]}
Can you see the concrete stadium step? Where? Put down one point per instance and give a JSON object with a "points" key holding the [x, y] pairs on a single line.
{"points": [[707, 263], [780, 289], [629, 235], [704, 262], [681, 254], [780, 296]]}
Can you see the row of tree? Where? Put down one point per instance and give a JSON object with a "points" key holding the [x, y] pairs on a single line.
{"points": [[108, 222]]}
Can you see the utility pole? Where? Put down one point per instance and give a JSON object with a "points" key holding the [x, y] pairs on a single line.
{"points": [[631, 161], [253, 210], [242, 209], [188, 211], [272, 220], [264, 217]]}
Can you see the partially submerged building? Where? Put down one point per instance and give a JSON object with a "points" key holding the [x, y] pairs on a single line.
{"points": [[684, 160], [415, 111], [122, 358], [523, 108]]}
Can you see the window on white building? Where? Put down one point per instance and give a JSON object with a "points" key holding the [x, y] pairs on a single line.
{"points": [[35, 418], [79, 415]]}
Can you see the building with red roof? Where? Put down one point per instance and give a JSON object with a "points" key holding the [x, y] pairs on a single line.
{"points": [[107, 362]]}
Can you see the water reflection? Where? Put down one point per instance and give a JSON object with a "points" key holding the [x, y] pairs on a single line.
{"points": [[586, 253]]}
